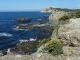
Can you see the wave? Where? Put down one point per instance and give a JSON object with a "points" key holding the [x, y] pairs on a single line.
{"points": [[31, 39], [6, 34], [20, 29], [8, 50], [23, 41]]}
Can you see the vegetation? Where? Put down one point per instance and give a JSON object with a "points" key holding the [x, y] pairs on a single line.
{"points": [[53, 47], [67, 10], [66, 17], [77, 14], [44, 41]]}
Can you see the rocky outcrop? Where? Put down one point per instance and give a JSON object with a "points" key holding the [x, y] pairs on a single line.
{"points": [[23, 20], [29, 26], [42, 27], [55, 16], [69, 34], [48, 9]]}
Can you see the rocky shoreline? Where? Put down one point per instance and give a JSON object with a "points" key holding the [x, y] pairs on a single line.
{"points": [[30, 46], [64, 36]]}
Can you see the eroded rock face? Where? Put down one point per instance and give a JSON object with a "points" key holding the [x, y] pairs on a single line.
{"points": [[69, 34], [54, 17]]}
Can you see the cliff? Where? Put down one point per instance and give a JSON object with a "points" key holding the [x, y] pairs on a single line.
{"points": [[51, 9], [48, 9], [55, 16], [68, 34]]}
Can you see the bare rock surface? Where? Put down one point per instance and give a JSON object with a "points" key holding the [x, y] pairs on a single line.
{"points": [[71, 50], [55, 16], [39, 56], [70, 33]]}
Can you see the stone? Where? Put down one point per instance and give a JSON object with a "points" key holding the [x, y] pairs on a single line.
{"points": [[23, 20], [69, 33], [1, 54], [54, 17], [27, 47]]}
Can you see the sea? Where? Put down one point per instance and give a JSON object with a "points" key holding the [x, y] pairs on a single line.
{"points": [[9, 36]]}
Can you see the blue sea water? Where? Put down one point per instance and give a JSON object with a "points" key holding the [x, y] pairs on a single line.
{"points": [[9, 37]]}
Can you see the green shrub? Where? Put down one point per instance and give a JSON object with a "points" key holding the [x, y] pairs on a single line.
{"points": [[44, 41], [77, 14], [64, 18], [53, 47]]}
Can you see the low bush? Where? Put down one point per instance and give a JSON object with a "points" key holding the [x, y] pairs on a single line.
{"points": [[53, 47], [64, 18], [77, 14], [44, 41]]}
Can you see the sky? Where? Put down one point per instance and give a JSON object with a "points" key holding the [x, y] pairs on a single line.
{"points": [[37, 5]]}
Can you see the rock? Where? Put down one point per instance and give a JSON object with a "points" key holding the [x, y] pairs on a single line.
{"points": [[4, 52], [23, 20], [47, 10], [27, 47], [15, 51], [20, 27], [69, 33], [42, 22], [1, 54], [71, 50], [46, 29], [30, 26], [55, 16]]}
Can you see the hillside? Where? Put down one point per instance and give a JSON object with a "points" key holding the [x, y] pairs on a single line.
{"points": [[50, 9]]}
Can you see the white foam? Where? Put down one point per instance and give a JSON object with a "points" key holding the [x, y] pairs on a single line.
{"points": [[8, 50], [23, 41], [6, 34], [31, 39], [17, 28]]}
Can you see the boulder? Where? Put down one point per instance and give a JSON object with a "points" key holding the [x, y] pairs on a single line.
{"points": [[27, 47], [15, 51], [4, 52], [1, 54], [23, 20]]}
